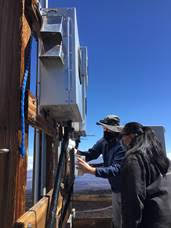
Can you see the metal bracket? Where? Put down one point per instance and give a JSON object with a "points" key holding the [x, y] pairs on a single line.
{"points": [[4, 150]]}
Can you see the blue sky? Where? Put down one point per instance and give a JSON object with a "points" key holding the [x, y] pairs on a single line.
{"points": [[129, 46]]}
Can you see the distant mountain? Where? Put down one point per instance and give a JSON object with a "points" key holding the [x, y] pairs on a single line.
{"points": [[30, 163], [29, 179]]}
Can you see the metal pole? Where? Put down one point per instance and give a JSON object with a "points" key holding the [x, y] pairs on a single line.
{"points": [[43, 165], [44, 3], [36, 167]]}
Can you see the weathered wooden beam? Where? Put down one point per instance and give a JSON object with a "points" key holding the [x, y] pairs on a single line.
{"points": [[38, 121], [32, 107], [33, 16], [37, 215], [42, 124]]}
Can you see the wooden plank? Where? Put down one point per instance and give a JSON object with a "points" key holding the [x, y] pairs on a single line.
{"points": [[43, 124], [37, 120], [37, 215], [32, 107]]}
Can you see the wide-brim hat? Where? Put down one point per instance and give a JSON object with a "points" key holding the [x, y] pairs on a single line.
{"points": [[111, 122], [116, 128]]}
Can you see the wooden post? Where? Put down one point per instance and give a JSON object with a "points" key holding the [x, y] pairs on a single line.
{"points": [[14, 36], [21, 169], [15, 31], [10, 71]]}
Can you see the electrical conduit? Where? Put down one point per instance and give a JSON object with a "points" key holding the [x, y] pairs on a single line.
{"points": [[26, 73]]}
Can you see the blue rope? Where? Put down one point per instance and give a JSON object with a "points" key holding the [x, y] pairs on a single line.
{"points": [[26, 73]]}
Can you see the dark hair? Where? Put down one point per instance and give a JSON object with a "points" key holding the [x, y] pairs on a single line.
{"points": [[147, 143], [133, 128]]}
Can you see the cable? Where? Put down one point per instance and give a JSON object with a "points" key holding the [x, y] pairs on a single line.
{"points": [[59, 172], [22, 102]]}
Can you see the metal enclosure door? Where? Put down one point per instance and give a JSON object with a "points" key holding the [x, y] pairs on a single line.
{"points": [[60, 80]]}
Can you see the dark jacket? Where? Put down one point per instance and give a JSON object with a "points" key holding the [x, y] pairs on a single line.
{"points": [[113, 155], [146, 194]]}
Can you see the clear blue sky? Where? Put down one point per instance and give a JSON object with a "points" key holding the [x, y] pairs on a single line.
{"points": [[129, 46]]}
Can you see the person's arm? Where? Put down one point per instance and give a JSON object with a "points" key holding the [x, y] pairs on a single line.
{"points": [[92, 153], [133, 193], [86, 168], [114, 168]]}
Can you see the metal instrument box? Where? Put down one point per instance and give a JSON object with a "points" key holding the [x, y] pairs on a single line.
{"points": [[61, 84]]}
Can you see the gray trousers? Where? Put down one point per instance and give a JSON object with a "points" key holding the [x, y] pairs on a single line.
{"points": [[116, 210]]}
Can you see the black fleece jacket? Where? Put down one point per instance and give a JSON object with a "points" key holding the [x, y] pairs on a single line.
{"points": [[146, 194]]}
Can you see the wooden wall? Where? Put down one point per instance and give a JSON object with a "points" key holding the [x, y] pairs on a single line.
{"points": [[10, 72]]}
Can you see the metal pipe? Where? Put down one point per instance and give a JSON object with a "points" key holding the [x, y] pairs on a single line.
{"points": [[38, 76], [36, 167], [68, 59], [44, 3], [43, 165]]}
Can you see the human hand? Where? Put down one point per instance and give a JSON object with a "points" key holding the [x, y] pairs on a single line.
{"points": [[85, 167], [75, 151]]}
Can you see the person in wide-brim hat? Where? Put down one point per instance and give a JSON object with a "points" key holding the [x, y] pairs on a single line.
{"points": [[112, 151]]}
